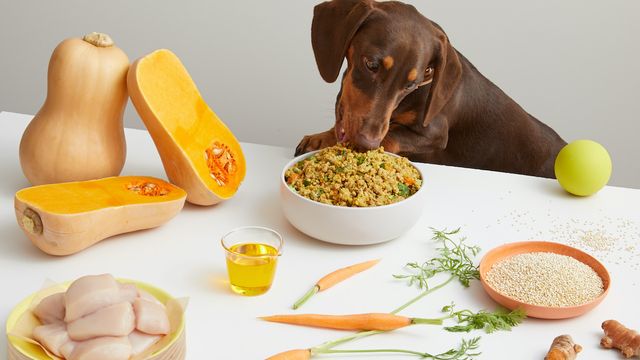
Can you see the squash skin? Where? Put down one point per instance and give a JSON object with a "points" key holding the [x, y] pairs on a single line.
{"points": [[78, 133], [182, 168], [65, 230]]}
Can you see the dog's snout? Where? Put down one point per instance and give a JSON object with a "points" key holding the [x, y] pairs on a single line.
{"points": [[365, 142]]}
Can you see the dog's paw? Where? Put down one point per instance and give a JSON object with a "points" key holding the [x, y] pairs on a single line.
{"points": [[316, 142]]}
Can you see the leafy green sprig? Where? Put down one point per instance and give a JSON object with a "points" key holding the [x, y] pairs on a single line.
{"points": [[489, 321], [455, 258]]}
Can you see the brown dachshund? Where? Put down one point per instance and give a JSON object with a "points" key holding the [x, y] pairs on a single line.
{"points": [[406, 88]]}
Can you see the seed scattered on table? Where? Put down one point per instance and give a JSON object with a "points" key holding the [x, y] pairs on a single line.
{"points": [[613, 239], [597, 240], [545, 279]]}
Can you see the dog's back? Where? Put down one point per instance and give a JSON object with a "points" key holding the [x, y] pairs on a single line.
{"points": [[489, 130]]}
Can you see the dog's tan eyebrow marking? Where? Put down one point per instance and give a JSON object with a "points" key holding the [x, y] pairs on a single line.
{"points": [[387, 62], [405, 118], [413, 74]]}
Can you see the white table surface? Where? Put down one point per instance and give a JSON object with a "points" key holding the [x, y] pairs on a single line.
{"points": [[185, 258]]}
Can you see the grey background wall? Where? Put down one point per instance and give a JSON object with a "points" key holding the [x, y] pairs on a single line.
{"points": [[572, 63]]}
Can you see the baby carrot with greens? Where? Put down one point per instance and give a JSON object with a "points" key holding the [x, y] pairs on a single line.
{"points": [[335, 277], [455, 259], [467, 350], [298, 354], [467, 320], [370, 321]]}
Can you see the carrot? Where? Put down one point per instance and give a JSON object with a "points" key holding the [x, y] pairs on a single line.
{"points": [[333, 278], [370, 321], [409, 181], [298, 354], [342, 274]]}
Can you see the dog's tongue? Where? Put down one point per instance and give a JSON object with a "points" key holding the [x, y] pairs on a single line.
{"points": [[342, 136]]}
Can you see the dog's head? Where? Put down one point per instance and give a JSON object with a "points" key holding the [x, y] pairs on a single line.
{"points": [[391, 50]]}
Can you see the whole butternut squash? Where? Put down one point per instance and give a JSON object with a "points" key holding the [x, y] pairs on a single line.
{"points": [[199, 152], [62, 219], [78, 133]]}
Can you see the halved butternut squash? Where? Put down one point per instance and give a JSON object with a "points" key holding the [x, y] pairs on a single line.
{"points": [[199, 152], [64, 218]]}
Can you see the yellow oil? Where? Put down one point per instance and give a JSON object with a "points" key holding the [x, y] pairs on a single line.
{"points": [[252, 272]]}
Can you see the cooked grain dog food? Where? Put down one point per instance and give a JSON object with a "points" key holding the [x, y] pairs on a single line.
{"points": [[340, 176]]}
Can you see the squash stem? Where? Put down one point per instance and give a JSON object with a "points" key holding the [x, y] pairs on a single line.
{"points": [[31, 221], [98, 39]]}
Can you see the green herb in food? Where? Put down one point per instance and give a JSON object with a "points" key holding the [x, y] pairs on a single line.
{"points": [[404, 190]]}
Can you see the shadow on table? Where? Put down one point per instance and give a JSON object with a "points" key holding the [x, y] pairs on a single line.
{"points": [[218, 280], [554, 189], [301, 237], [16, 245], [266, 207]]}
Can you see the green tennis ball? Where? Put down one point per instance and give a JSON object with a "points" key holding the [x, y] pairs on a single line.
{"points": [[583, 167]]}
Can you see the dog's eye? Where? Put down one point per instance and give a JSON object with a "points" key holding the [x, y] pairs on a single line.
{"points": [[371, 65], [428, 71]]}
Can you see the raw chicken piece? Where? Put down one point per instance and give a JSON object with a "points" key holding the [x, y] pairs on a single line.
{"points": [[50, 309], [102, 348], [147, 296], [90, 293], [67, 349], [52, 337], [114, 320], [141, 341], [128, 292], [151, 317]]}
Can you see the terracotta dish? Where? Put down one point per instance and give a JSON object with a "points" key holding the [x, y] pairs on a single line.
{"points": [[542, 312]]}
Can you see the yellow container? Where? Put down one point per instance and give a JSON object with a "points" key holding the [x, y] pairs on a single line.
{"points": [[20, 349], [252, 256]]}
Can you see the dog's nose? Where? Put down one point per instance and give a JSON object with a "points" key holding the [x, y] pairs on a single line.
{"points": [[364, 142]]}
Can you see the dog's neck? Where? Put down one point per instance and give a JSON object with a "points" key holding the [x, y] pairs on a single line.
{"points": [[478, 103]]}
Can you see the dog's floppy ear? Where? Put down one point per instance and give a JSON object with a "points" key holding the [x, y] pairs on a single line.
{"points": [[334, 24], [448, 71]]}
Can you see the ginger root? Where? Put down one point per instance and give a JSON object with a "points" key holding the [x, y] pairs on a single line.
{"points": [[618, 336], [563, 348]]}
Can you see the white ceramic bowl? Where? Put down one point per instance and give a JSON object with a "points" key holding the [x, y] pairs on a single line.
{"points": [[350, 225]]}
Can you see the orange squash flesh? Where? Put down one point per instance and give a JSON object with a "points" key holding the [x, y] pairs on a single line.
{"points": [[64, 218], [199, 152]]}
